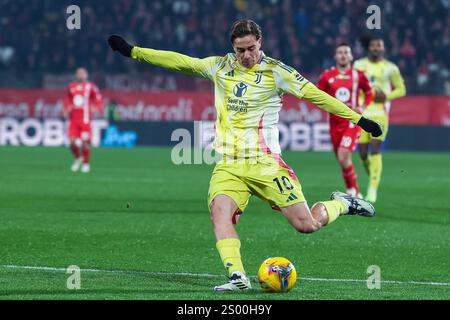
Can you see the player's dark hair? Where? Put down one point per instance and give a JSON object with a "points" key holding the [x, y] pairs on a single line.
{"points": [[366, 40], [375, 38], [342, 44], [242, 28]]}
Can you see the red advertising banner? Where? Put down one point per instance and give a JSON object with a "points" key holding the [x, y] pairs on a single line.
{"points": [[188, 106]]}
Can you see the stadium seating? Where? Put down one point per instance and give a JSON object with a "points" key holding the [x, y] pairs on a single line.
{"points": [[302, 34]]}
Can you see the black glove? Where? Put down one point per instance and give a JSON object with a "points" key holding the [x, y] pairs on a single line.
{"points": [[370, 126], [117, 43]]}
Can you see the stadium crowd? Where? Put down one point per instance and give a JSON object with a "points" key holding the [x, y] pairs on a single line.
{"points": [[34, 39]]}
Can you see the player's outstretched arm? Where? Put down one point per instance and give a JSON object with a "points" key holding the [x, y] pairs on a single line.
{"points": [[326, 102], [290, 81], [170, 60]]}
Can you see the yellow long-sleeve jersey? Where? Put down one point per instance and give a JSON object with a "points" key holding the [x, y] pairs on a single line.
{"points": [[247, 101], [386, 76]]}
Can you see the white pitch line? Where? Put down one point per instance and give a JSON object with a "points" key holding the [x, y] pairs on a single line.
{"points": [[207, 275]]}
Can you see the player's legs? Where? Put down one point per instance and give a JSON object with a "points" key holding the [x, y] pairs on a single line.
{"points": [[344, 138], [375, 168], [86, 156], [321, 214], [373, 161], [363, 149], [344, 157], [75, 145], [228, 244], [222, 210], [228, 197], [86, 147], [282, 190], [304, 220], [74, 134]]}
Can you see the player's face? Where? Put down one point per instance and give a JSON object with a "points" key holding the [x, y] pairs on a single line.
{"points": [[343, 56], [247, 50], [81, 75], [376, 49]]}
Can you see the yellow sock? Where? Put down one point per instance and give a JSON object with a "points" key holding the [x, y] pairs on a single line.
{"points": [[229, 250], [334, 209], [375, 167]]}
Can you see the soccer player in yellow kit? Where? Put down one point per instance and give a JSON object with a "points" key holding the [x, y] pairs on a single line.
{"points": [[388, 84], [248, 96]]}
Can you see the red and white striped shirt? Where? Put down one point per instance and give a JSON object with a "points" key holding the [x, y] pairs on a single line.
{"points": [[81, 97], [345, 86]]}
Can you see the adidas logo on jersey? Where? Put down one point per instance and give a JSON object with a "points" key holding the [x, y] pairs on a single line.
{"points": [[230, 74], [291, 197]]}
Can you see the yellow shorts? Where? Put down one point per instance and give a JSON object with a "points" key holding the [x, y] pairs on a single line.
{"points": [[383, 121], [269, 178]]}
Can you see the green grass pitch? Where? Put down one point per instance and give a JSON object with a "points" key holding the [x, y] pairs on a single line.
{"points": [[162, 245]]}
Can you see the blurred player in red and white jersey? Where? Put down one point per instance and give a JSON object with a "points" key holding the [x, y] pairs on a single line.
{"points": [[344, 83], [82, 101]]}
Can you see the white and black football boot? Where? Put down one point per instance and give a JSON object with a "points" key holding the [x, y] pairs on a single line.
{"points": [[238, 281], [354, 205]]}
